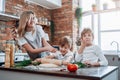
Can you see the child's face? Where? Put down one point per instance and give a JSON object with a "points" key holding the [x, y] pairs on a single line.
{"points": [[64, 49], [87, 38]]}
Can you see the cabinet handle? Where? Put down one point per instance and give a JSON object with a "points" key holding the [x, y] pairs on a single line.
{"points": [[118, 59], [113, 58], [16, 58]]}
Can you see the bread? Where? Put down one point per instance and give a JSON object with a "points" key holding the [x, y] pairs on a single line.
{"points": [[48, 65]]}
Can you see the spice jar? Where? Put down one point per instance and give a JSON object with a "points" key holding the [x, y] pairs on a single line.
{"points": [[94, 7]]}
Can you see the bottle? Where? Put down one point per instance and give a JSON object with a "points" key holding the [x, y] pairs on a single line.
{"points": [[105, 6], [9, 53], [7, 56], [12, 50]]}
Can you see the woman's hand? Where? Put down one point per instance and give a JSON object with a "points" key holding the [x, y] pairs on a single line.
{"points": [[48, 46], [51, 49]]}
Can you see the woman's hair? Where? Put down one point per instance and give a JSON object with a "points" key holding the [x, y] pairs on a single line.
{"points": [[66, 40], [86, 30], [23, 22]]}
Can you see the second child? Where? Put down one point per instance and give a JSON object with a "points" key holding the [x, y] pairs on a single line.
{"points": [[61, 57], [89, 53]]}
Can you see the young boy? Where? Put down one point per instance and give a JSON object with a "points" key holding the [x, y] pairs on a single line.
{"points": [[63, 56], [89, 53]]}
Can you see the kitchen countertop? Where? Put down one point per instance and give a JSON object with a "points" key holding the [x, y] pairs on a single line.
{"points": [[93, 73]]}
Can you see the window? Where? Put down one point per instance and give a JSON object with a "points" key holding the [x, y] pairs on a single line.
{"points": [[110, 29], [2, 5], [110, 4], [110, 20], [86, 21], [104, 23], [86, 4]]}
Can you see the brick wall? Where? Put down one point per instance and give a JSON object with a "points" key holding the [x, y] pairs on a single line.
{"points": [[64, 20]]}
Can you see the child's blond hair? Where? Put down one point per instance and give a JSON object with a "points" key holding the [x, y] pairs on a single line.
{"points": [[86, 30], [65, 41]]}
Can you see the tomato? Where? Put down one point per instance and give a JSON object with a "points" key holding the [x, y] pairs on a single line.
{"points": [[72, 67]]}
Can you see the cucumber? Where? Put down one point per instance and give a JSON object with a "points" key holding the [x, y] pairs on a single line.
{"points": [[23, 63], [80, 65]]}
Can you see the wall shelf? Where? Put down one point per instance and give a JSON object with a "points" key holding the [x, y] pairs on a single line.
{"points": [[100, 11], [7, 17], [49, 4]]}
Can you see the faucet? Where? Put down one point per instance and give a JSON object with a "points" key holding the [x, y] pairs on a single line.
{"points": [[117, 44]]}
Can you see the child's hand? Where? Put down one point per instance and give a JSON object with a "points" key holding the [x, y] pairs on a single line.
{"points": [[37, 60], [87, 63], [83, 43], [96, 64], [65, 62]]}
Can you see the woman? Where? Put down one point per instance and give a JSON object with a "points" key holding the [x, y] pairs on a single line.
{"points": [[31, 36]]}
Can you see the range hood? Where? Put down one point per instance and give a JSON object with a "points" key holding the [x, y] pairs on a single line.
{"points": [[49, 4], [7, 17]]}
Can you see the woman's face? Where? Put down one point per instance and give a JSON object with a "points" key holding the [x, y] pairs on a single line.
{"points": [[64, 49], [31, 21]]}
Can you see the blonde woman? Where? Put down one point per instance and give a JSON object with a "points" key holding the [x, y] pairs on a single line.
{"points": [[31, 36]]}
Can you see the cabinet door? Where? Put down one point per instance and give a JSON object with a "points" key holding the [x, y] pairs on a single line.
{"points": [[19, 58], [112, 60]]}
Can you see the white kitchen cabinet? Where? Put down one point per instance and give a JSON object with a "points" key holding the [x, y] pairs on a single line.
{"points": [[8, 17], [49, 4], [18, 57], [2, 59], [113, 60]]}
